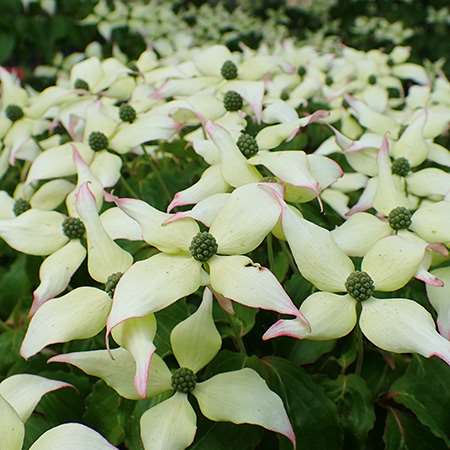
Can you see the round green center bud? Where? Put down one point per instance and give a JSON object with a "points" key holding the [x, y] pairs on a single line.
{"points": [[81, 84], [127, 113], [390, 62], [229, 70], [73, 228], [184, 380], [13, 112], [98, 141], [203, 246], [401, 167], [359, 285], [111, 283], [329, 80], [400, 218], [232, 101], [284, 95], [393, 92], [372, 79], [20, 206], [247, 145], [301, 71]]}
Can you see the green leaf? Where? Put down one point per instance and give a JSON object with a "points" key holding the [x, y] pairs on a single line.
{"points": [[355, 405], [348, 347], [405, 432], [34, 427], [298, 288], [313, 415], [425, 390], [7, 41], [167, 319], [281, 266], [308, 352], [226, 436], [225, 361], [14, 286], [10, 342], [238, 324], [102, 413]]}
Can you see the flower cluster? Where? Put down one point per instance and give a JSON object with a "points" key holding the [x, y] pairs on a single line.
{"points": [[382, 170]]}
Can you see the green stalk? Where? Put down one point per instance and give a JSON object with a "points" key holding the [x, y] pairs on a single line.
{"points": [[158, 174]]}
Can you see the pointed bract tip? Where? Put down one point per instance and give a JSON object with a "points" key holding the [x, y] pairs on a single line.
{"points": [[174, 203], [274, 190], [110, 197], [318, 115], [384, 149], [84, 193], [175, 217], [36, 303], [438, 248], [141, 379], [443, 356], [429, 279]]}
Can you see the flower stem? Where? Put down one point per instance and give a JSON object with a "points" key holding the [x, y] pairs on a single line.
{"points": [[269, 243], [360, 357], [290, 257], [157, 173], [3, 326], [128, 187], [237, 338]]}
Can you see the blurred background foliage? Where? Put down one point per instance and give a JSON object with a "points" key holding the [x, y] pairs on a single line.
{"points": [[30, 35]]}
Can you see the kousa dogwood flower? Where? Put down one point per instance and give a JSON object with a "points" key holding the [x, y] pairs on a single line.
{"points": [[48, 197], [288, 124], [40, 232], [94, 76], [240, 396], [233, 164], [374, 121], [195, 341], [337, 196], [19, 396], [361, 154], [17, 128], [398, 325], [229, 168], [247, 216], [244, 220]]}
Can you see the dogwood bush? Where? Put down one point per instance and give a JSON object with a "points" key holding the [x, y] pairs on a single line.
{"points": [[174, 202]]}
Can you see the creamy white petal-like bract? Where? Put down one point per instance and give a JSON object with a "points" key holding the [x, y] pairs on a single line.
{"points": [[195, 341], [242, 396]]}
